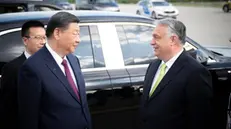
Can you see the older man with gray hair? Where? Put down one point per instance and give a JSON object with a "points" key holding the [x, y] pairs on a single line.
{"points": [[177, 89]]}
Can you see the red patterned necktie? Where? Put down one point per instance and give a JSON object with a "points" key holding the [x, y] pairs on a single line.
{"points": [[69, 77]]}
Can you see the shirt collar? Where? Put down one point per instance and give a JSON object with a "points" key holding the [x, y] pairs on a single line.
{"points": [[57, 58], [170, 62], [27, 55]]}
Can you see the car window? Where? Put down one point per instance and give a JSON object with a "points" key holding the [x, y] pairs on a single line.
{"points": [[104, 1], [97, 47], [44, 8], [10, 8], [141, 3], [11, 46], [84, 49], [135, 43], [160, 3]]}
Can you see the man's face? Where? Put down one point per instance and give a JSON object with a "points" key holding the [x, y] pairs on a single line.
{"points": [[69, 38], [35, 40], [161, 42]]}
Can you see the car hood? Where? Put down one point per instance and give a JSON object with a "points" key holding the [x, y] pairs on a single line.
{"points": [[224, 51]]}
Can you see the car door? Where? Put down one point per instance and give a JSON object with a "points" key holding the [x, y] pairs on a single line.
{"points": [[112, 101], [146, 9], [113, 56], [11, 46], [89, 51], [137, 52]]}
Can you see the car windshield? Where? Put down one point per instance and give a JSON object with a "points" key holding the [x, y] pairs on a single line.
{"points": [[159, 3], [104, 1], [63, 3]]}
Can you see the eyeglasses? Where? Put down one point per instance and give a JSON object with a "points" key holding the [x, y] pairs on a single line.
{"points": [[37, 37]]}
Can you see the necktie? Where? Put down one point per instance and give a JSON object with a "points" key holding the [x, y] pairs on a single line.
{"points": [[160, 76], [69, 77]]}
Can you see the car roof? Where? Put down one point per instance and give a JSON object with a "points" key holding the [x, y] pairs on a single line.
{"points": [[84, 16]]}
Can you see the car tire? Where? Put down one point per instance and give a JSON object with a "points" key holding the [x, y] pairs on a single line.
{"points": [[138, 12], [153, 15], [226, 8]]}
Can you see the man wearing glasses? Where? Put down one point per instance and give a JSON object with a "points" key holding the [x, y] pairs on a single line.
{"points": [[34, 37]]}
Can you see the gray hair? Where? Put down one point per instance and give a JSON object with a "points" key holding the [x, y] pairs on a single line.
{"points": [[174, 27]]}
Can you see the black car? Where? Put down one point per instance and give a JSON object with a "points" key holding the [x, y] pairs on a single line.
{"points": [[114, 54], [64, 4], [100, 5], [12, 6]]}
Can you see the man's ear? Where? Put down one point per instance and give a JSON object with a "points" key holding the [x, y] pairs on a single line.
{"points": [[57, 33], [25, 40], [174, 39]]}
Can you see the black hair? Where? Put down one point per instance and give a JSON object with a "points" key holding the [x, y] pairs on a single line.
{"points": [[27, 25], [60, 20]]}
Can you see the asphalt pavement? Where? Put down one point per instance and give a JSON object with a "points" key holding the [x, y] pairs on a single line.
{"points": [[206, 25]]}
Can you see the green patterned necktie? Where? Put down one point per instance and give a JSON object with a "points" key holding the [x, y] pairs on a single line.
{"points": [[160, 76]]}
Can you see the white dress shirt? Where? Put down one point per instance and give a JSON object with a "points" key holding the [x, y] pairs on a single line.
{"points": [[27, 55], [168, 64], [59, 61]]}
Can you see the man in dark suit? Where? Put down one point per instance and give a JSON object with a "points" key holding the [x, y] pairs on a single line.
{"points": [[51, 88], [33, 36], [177, 89]]}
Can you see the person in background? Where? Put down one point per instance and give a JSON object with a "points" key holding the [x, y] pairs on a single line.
{"points": [[34, 37]]}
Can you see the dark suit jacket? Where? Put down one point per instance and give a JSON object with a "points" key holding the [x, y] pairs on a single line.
{"points": [[46, 100], [182, 100], [8, 93]]}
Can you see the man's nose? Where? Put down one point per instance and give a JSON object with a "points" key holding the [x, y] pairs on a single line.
{"points": [[77, 39], [43, 41], [153, 42]]}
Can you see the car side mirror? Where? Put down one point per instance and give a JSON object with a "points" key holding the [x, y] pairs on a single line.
{"points": [[199, 56]]}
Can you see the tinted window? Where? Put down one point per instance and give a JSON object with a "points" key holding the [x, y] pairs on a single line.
{"points": [[160, 3], [45, 8], [141, 3], [104, 1], [11, 46], [126, 48], [135, 43], [97, 47], [11, 8], [84, 49]]}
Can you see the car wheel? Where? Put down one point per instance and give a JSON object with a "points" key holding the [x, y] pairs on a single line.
{"points": [[138, 12], [226, 8], [153, 15]]}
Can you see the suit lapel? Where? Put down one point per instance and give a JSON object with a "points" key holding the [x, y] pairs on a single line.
{"points": [[22, 57], [170, 75], [79, 78], [77, 72], [55, 69], [150, 76]]}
